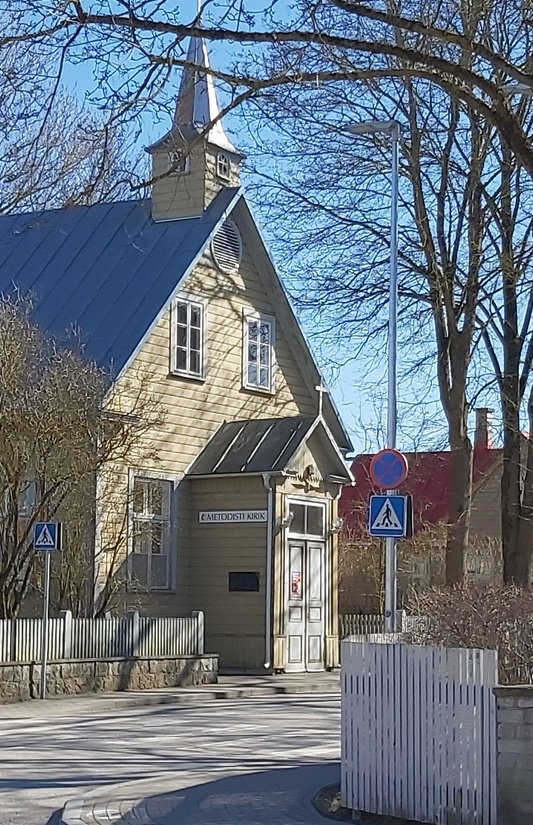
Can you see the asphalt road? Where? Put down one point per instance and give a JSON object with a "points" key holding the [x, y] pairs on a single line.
{"points": [[49, 755]]}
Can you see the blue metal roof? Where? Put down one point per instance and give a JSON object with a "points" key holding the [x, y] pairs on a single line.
{"points": [[263, 445], [259, 445], [106, 270]]}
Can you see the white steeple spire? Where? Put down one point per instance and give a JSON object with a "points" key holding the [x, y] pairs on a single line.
{"points": [[202, 105], [197, 104], [195, 160]]}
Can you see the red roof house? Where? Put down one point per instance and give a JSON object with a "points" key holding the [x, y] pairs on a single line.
{"points": [[429, 483]]}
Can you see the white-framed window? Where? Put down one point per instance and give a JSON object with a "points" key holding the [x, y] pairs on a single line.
{"points": [[308, 518], [178, 163], [258, 352], [223, 166], [150, 533], [188, 337]]}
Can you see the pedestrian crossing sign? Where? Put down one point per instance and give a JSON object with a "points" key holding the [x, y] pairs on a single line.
{"points": [[388, 517], [47, 535]]}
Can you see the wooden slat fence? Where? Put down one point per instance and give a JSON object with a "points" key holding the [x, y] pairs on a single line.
{"points": [[361, 624], [419, 732], [5, 641], [162, 636], [114, 637], [102, 638], [26, 639]]}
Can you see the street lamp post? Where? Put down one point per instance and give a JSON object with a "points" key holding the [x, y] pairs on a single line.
{"points": [[392, 128]]}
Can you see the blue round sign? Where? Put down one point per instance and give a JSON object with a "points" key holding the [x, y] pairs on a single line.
{"points": [[388, 469]]}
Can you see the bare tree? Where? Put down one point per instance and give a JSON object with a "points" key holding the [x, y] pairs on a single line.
{"points": [[465, 249], [135, 45], [466, 52], [54, 151], [337, 191], [505, 317], [56, 437]]}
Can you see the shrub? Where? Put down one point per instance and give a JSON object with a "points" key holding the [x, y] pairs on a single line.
{"points": [[483, 616]]}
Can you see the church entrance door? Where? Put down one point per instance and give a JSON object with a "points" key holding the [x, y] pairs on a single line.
{"points": [[305, 587]]}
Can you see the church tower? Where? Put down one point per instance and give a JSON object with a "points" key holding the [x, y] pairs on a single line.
{"points": [[194, 160]]}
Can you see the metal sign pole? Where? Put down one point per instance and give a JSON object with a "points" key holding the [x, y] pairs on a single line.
{"points": [[390, 543], [44, 637], [391, 564]]}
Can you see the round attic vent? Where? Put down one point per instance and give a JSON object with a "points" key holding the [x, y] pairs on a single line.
{"points": [[226, 247]]}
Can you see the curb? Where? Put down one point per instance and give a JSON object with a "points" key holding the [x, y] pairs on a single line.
{"points": [[130, 808], [71, 813], [191, 695], [213, 693]]}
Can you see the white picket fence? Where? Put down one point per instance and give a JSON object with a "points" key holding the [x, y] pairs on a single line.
{"points": [[419, 732], [115, 637]]}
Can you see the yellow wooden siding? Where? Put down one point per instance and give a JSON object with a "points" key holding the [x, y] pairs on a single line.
{"points": [[188, 195], [177, 196], [317, 455], [306, 457], [234, 621], [195, 409], [114, 532]]}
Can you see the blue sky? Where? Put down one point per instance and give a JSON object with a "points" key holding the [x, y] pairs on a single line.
{"points": [[362, 403]]}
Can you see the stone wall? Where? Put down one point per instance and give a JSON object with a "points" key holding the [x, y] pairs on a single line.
{"points": [[515, 754], [19, 682]]}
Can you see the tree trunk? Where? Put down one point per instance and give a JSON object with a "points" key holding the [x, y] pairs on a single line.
{"points": [[514, 569], [460, 500], [525, 526], [455, 405]]}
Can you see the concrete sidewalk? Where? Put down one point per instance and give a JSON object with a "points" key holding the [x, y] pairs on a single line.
{"points": [[228, 687], [282, 796], [232, 784]]}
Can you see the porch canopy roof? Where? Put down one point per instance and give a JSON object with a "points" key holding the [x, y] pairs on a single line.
{"points": [[265, 445]]}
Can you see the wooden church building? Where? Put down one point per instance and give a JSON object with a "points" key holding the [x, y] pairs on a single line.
{"points": [[235, 512]]}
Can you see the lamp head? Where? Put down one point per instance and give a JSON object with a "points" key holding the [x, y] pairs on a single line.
{"points": [[372, 127]]}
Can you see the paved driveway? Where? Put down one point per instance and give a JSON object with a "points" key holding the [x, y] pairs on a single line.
{"points": [[253, 760]]}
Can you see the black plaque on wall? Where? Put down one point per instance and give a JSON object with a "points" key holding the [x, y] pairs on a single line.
{"points": [[244, 582]]}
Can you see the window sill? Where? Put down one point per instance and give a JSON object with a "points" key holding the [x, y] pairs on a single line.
{"points": [[198, 379], [258, 390]]}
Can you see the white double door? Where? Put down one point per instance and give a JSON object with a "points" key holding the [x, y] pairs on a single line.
{"points": [[305, 605]]}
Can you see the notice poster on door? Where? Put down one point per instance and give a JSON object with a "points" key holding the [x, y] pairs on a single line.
{"points": [[296, 584]]}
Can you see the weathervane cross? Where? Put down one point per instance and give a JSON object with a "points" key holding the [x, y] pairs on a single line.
{"points": [[321, 390]]}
